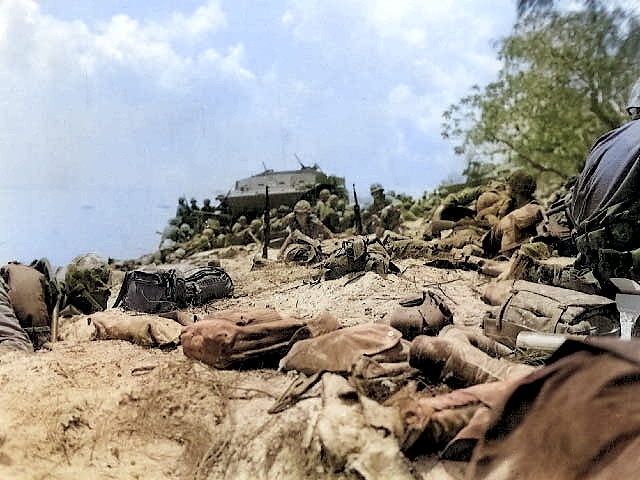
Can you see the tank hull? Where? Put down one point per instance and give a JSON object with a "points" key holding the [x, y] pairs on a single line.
{"points": [[285, 188]]}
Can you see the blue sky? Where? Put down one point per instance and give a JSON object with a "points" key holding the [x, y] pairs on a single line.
{"points": [[111, 110]]}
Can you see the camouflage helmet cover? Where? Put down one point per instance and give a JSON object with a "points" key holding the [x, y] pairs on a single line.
{"points": [[324, 193], [302, 207], [376, 187], [522, 183]]}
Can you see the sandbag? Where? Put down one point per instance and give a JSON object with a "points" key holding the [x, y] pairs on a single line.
{"points": [[231, 338], [543, 308]]}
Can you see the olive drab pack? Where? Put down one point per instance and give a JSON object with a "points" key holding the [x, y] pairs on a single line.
{"points": [[27, 292], [358, 254], [546, 309], [609, 241], [168, 290], [87, 283]]}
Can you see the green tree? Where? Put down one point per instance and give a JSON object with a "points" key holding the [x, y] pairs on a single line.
{"points": [[565, 80]]}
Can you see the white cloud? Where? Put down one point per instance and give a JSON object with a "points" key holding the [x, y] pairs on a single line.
{"points": [[41, 47], [146, 111], [206, 18], [439, 49]]}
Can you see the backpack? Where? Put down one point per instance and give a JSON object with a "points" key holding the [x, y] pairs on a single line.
{"points": [[205, 284], [152, 292], [543, 308], [164, 291], [358, 254], [249, 337], [87, 283]]}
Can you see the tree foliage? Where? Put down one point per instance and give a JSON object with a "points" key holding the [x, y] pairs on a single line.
{"points": [[564, 81]]}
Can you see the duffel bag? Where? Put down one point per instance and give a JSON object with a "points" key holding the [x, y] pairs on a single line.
{"points": [[168, 290], [152, 292], [543, 308], [202, 285]]}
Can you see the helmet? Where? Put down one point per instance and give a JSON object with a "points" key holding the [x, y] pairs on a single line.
{"points": [[302, 207], [324, 194], [242, 219], [284, 209], [633, 105], [522, 183], [193, 200], [376, 187], [185, 227], [206, 201], [256, 223]]}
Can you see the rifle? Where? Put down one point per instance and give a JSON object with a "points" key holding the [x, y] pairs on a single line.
{"points": [[356, 212], [267, 223]]}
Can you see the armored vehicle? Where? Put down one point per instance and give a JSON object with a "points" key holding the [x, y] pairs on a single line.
{"points": [[285, 188]]}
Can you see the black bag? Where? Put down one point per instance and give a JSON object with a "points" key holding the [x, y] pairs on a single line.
{"points": [[152, 292], [206, 284], [159, 292]]}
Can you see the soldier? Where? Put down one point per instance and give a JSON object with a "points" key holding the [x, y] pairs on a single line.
{"points": [[240, 224], [206, 207], [390, 217], [256, 231], [182, 212], [194, 220], [604, 206], [379, 199], [322, 205], [278, 226], [521, 222], [371, 216], [303, 221], [185, 233], [331, 216]]}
